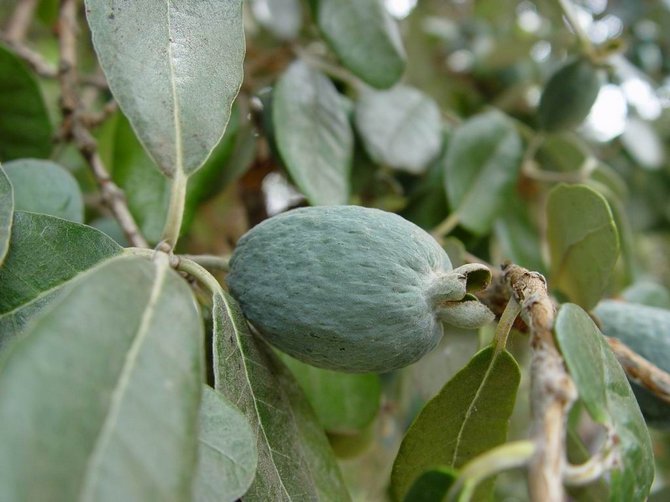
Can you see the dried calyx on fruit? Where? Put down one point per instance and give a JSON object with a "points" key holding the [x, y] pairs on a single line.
{"points": [[352, 288]]}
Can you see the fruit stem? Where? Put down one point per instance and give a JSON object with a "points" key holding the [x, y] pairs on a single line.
{"points": [[512, 310], [175, 209]]}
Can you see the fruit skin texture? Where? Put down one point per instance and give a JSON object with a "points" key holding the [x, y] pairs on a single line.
{"points": [[646, 330], [341, 287]]}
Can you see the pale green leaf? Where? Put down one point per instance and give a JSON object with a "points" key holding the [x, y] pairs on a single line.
{"points": [[518, 236], [175, 69], [649, 293], [365, 37], [482, 165], [400, 128], [631, 479], [6, 213], [313, 134], [42, 186], [469, 416], [583, 242], [44, 253], [295, 461], [283, 18], [99, 401], [227, 455], [25, 128], [345, 403]]}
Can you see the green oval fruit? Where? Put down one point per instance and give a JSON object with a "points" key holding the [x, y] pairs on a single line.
{"points": [[351, 288], [569, 95], [646, 330]]}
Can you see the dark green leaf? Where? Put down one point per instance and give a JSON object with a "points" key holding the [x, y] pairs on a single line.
{"points": [[468, 417], [482, 165], [99, 401], [345, 403], [295, 461], [42, 186], [44, 253], [281, 17], [6, 213], [313, 134], [583, 242], [569, 95], [432, 485], [177, 89], [400, 128], [365, 37], [25, 128], [632, 478], [227, 455]]}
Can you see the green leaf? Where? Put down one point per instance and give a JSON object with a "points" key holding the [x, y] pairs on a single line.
{"points": [[25, 128], [469, 416], [99, 401], [365, 37], [42, 186], [283, 18], [345, 403], [649, 293], [583, 242], [295, 461], [482, 166], [313, 134], [44, 253], [6, 213], [518, 236], [432, 485], [632, 478], [175, 70], [227, 455], [400, 128], [569, 95]]}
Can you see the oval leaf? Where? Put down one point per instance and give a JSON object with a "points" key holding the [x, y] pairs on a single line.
{"points": [[583, 242], [281, 17], [42, 186], [44, 253], [482, 166], [569, 95], [295, 461], [25, 128], [365, 37], [313, 134], [345, 403], [632, 478], [105, 385], [400, 128], [227, 455], [478, 401], [432, 485], [6, 213], [175, 69]]}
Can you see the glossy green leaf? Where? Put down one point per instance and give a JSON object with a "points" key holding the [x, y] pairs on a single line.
{"points": [[313, 134], [44, 253], [469, 416], [583, 242], [400, 128], [432, 485], [574, 329], [42, 186], [283, 18], [99, 401], [6, 213], [343, 402], [569, 95], [227, 455], [175, 70], [365, 37], [295, 461], [482, 166], [25, 128]]}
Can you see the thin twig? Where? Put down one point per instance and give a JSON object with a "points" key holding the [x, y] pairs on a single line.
{"points": [[33, 59], [552, 389], [74, 127], [20, 20], [641, 371], [211, 262]]}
